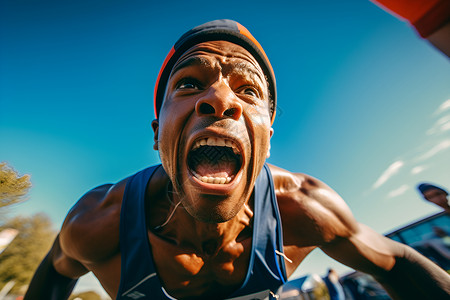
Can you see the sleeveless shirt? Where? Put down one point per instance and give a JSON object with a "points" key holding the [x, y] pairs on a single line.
{"points": [[139, 279]]}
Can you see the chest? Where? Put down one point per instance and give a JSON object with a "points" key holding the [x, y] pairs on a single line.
{"points": [[185, 272]]}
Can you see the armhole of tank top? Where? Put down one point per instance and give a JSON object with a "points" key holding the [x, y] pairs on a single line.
{"points": [[254, 241], [280, 261], [125, 203]]}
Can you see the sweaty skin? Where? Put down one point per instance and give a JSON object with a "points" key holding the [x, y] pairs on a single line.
{"points": [[214, 91], [200, 232]]}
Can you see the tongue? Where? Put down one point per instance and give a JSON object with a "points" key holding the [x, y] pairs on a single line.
{"points": [[218, 169], [214, 161]]}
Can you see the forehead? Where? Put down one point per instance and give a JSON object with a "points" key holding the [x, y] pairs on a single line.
{"points": [[225, 54]]}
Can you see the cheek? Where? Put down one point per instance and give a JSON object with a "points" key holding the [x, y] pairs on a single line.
{"points": [[166, 136], [172, 119], [167, 144], [259, 115], [259, 120]]}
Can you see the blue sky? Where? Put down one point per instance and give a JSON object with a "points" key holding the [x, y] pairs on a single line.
{"points": [[363, 102]]}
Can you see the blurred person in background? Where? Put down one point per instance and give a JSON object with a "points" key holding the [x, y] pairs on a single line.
{"points": [[334, 286], [435, 194]]}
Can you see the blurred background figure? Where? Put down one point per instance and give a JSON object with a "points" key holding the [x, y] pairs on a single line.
{"points": [[361, 286], [334, 287], [435, 194], [309, 287]]}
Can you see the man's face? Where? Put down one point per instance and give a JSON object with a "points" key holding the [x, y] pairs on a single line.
{"points": [[214, 129], [436, 196]]}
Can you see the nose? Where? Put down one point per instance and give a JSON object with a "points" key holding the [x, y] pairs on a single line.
{"points": [[219, 101]]}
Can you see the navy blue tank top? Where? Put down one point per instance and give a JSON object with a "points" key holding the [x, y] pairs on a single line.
{"points": [[139, 280]]}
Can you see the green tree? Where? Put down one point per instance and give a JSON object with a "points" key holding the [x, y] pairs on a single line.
{"points": [[13, 188], [21, 258]]}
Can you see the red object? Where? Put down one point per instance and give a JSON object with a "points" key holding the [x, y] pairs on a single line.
{"points": [[427, 16]]}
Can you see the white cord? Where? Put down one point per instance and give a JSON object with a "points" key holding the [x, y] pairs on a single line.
{"points": [[274, 295], [170, 217], [284, 255]]}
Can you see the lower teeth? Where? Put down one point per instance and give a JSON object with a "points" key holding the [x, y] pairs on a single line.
{"points": [[214, 180]]}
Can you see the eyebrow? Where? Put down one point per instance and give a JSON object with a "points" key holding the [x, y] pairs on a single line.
{"points": [[240, 67], [245, 68], [191, 61]]}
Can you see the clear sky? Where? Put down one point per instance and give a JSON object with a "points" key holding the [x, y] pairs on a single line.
{"points": [[363, 102]]}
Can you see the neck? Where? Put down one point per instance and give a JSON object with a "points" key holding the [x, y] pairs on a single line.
{"points": [[168, 219], [208, 238]]}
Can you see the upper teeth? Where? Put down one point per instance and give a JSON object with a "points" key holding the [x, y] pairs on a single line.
{"points": [[212, 141]]}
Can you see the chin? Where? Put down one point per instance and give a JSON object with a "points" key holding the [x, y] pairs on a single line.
{"points": [[211, 217], [212, 208]]}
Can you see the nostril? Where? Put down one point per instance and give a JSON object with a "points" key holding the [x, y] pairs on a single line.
{"points": [[206, 109], [230, 112]]}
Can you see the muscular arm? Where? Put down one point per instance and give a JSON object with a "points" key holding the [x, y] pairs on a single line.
{"points": [[81, 244], [313, 214], [402, 271]]}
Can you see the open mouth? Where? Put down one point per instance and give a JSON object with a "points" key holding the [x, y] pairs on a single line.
{"points": [[214, 160]]}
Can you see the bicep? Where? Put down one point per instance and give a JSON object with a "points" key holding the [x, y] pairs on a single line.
{"points": [[327, 222], [342, 237], [325, 210]]}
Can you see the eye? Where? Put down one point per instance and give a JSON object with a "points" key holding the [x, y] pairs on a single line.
{"points": [[251, 91], [188, 83]]}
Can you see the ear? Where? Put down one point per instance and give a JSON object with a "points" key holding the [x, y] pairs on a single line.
{"points": [[270, 136], [155, 127]]}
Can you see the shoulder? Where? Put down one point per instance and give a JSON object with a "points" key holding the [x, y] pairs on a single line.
{"points": [[311, 211], [90, 231], [303, 187], [286, 181]]}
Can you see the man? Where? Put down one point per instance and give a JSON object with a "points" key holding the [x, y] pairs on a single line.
{"points": [[435, 194], [213, 221], [335, 288]]}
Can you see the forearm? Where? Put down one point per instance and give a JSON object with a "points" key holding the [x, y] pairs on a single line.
{"points": [[415, 277], [47, 283], [403, 272]]}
